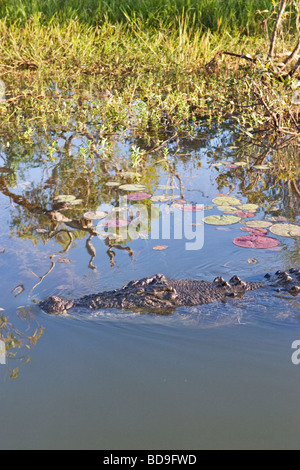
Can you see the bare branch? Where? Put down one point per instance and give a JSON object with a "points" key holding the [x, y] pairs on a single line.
{"points": [[295, 68], [293, 55], [277, 26]]}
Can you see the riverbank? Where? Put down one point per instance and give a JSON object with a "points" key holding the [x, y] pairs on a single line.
{"points": [[143, 67]]}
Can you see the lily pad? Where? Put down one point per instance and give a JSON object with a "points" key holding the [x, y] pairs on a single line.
{"points": [[112, 184], [248, 207], [191, 207], [138, 196], [95, 215], [228, 209], [286, 230], [226, 201], [117, 223], [258, 223], [75, 202], [221, 219], [132, 187], [180, 201], [230, 165], [163, 198], [256, 241], [165, 186], [245, 214], [261, 167], [65, 198], [255, 231], [241, 163]]}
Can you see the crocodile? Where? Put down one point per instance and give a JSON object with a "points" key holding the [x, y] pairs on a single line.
{"points": [[158, 294]]}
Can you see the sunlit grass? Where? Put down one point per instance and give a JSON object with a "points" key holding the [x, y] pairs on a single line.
{"points": [[215, 15]]}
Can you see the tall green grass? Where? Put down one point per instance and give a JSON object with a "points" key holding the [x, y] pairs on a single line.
{"points": [[215, 15]]}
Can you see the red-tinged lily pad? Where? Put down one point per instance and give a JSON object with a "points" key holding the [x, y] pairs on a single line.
{"points": [[138, 196], [191, 207], [180, 201], [116, 223], [245, 214], [160, 247], [255, 231], [256, 241]]}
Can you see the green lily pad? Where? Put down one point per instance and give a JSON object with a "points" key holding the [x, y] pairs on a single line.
{"points": [[164, 197], [65, 198], [261, 167], [248, 207], [226, 201], [165, 186], [221, 219], [258, 223], [112, 184], [217, 164], [75, 202], [95, 215], [286, 230], [133, 187], [228, 209], [130, 174]]}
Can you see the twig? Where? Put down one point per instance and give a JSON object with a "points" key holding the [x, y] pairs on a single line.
{"points": [[293, 55], [232, 54], [295, 187]]}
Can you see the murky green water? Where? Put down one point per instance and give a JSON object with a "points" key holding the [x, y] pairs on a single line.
{"points": [[216, 377]]}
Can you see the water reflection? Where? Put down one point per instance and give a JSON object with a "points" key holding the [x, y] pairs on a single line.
{"points": [[51, 185]]}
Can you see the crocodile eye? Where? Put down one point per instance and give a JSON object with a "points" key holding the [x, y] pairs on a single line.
{"points": [[234, 280], [295, 290], [242, 283], [226, 284], [219, 280]]}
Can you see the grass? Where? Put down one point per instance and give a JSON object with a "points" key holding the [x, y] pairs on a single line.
{"points": [[58, 57], [213, 15]]}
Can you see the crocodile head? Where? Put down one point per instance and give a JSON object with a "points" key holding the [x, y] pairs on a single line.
{"points": [[288, 281], [56, 305]]}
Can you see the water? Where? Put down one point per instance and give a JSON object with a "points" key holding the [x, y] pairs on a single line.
{"points": [[216, 377]]}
